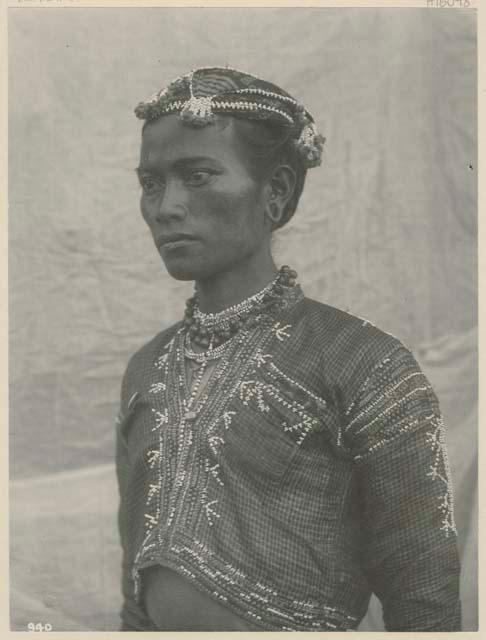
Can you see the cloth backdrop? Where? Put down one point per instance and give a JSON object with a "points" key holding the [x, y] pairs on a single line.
{"points": [[386, 229]]}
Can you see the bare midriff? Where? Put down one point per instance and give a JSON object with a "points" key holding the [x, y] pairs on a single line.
{"points": [[174, 604]]}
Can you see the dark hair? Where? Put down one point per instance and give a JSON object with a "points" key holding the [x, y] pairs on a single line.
{"points": [[270, 144]]}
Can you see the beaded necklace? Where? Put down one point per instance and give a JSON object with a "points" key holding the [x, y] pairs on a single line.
{"points": [[194, 386], [213, 331]]}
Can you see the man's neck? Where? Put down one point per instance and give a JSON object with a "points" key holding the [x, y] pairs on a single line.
{"points": [[235, 285]]}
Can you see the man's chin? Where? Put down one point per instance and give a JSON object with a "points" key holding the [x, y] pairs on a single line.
{"points": [[195, 267], [180, 271], [182, 275]]}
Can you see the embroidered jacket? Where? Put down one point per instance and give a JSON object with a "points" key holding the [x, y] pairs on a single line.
{"points": [[315, 473]]}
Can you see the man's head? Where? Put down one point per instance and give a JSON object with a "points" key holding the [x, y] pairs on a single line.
{"points": [[224, 158]]}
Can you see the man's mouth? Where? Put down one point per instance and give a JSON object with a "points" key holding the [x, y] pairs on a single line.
{"points": [[174, 239]]}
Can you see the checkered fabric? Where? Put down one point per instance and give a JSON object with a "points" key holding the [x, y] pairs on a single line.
{"points": [[317, 475]]}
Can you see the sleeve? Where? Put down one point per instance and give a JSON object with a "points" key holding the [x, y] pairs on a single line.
{"points": [[132, 615], [395, 432]]}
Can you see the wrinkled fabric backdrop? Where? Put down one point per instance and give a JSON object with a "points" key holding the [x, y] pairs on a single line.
{"points": [[386, 229]]}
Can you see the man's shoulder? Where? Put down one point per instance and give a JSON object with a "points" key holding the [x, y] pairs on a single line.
{"points": [[334, 324], [348, 344], [157, 342], [347, 350], [145, 356]]}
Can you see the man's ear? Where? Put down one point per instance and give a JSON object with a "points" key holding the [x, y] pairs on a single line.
{"points": [[280, 188]]}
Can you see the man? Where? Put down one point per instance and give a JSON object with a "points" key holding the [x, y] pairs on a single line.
{"points": [[278, 459]]}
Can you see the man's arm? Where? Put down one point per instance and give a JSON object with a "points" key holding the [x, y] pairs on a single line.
{"points": [[132, 616], [396, 434]]}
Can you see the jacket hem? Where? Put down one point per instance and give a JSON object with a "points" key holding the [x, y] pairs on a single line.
{"points": [[252, 599]]}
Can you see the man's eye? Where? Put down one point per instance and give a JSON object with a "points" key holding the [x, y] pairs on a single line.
{"points": [[198, 178], [150, 185]]}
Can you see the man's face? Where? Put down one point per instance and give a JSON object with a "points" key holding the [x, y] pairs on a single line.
{"points": [[204, 208]]}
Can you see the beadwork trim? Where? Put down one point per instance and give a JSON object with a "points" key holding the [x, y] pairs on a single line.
{"points": [[269, 94], [251, 106], [436, 439], [367, 380], [280, 331], [157, 387], [223, 581], [387, 393], [179, 105], [199, 110], [256, 390], [274, 370], [405, 428], [393, 406], [435, 434]]}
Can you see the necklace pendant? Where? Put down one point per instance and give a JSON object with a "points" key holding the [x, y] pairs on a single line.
{"points": [[189, 416]]}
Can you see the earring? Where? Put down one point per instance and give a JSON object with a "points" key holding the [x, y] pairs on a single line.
{"points": [[274, 212]]}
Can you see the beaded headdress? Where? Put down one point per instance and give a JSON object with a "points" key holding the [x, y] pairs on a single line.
{"points": [[203, 92]]}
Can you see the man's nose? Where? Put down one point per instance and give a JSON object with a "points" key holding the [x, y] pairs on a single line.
{"points": [[172, 202]]}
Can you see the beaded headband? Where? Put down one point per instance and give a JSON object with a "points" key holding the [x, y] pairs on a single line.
{"points": [[198, 95]]}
